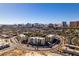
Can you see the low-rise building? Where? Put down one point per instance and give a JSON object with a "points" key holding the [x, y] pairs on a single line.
{"points": [[3, 44]]}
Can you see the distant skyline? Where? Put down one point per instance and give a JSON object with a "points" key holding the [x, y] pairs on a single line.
{"points": [[19, 13]]}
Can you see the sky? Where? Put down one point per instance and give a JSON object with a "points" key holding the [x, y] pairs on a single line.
{"points": [[22, 13]]}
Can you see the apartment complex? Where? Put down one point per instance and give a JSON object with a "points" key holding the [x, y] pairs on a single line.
{"points": [[74, 24]]}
